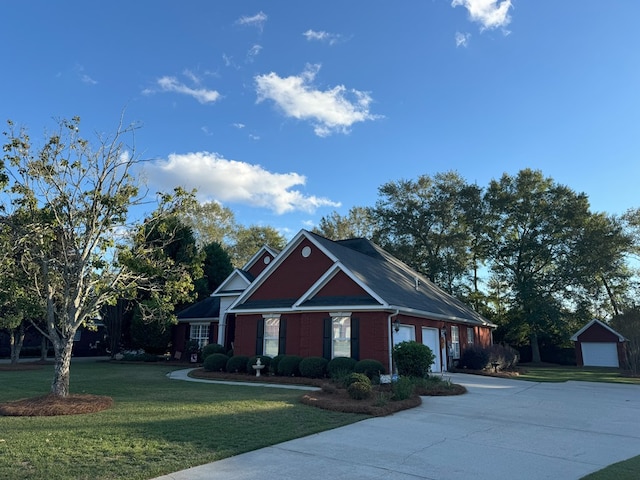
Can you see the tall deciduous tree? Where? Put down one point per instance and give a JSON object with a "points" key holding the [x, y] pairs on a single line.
{"points": [[358, 223], [248, 240], [76, 200], [534, 226], [210, 222], [423, 223]]}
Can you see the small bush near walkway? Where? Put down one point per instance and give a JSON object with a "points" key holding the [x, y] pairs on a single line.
{"points": [[216, 362], [313, 367], [413, 359]]}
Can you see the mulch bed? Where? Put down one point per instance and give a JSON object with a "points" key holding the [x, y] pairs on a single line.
{"points": [[333, 398], [52, 405]]}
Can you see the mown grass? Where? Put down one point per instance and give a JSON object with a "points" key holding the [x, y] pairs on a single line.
{"points": [[155, 427], [562, 373], [627, 470]]}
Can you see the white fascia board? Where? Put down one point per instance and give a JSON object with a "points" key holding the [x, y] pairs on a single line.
{"points": [[574, 337], [439, 316], [277, 261], [235, 274], [199, 320], [328, 275], [258, 254]]}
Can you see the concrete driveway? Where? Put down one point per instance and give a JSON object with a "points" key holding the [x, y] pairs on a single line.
{"points": [[500, 429]]}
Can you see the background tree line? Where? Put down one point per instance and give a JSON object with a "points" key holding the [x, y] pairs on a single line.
{"points": [[525, 251]]}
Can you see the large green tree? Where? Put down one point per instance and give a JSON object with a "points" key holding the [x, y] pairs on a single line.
{"points": [[76, 199], [424, 223], [248, 240], [533, 228], [358, 223]]}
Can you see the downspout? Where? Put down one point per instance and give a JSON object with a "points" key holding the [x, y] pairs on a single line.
{"points": [[390, 336]]}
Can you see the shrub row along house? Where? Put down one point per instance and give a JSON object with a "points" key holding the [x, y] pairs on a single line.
{"points": [[329, 299]]}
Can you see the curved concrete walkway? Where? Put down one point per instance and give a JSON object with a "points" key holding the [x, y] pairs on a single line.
{"points": [[500, 429], [184, 375]]}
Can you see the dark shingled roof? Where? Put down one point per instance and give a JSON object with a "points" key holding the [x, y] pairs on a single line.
{"points": [[395, 282], [207, 308]]}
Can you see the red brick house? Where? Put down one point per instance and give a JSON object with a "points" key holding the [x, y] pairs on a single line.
{"points": [[340, 298], [599, 345]]}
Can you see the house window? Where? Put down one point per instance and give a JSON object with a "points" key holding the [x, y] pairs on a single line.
{"points": [[200, 333], [341, 337], [455, 342], [405, 333], [470, 336], [271, 336]]}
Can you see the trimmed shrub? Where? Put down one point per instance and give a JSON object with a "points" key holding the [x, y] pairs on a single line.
{"points": [[506, 357], [216, 362], [212, 348], [264, 360], [413, 359], [371, 368], [356, 378], [340, 364], [313, 367], [237, 364], [274, 364], [289, 365], [403, 388], [474, 357], [359, 390]]}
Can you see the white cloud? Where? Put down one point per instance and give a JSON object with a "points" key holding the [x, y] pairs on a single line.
{"points": [[462, 39], [171, 84], [330, 110], [219, 179], [238, 125], [84, 78], [488, 13], [257, 20], [253, 52], [322, 36]]}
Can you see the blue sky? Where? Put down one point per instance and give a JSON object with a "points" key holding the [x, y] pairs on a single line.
{"points": [[284, 111]]}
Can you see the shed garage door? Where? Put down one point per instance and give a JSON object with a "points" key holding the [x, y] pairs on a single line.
{"points": [[600, 354]]}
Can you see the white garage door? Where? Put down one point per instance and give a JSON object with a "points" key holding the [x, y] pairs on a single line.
{"points": [[600, 354], [431, 338]]}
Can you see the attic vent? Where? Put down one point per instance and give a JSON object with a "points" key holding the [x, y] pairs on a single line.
{"points": [[306, 251], [267, 260]]}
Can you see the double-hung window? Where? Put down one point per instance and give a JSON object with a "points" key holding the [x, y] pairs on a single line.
{"points": [[271, 336], [455, 342], [470, 336], [341, 336], [200, 333]]}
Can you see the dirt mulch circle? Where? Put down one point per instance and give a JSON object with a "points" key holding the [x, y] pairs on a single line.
{"points": [[52, 405]]}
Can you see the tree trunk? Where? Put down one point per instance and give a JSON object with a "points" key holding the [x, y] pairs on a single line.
{"points": [[44, 347], [16, 339], [60, 384], [535, 348]]}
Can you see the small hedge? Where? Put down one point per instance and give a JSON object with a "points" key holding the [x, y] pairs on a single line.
{"points": [[288, 366], [413, 359], [274, 364], [371, 368], [357, 378], [212, 348], [264, 360], [216, 362], [359, 390], [339, 365], [237, 364], [313, 367], [474, 357]]}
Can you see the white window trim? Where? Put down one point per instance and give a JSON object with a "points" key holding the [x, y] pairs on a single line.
{"points": [[265, 337], [202, 341], [338, 317], [455, 342]]}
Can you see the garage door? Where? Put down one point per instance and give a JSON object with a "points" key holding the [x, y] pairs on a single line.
{"points": [[431, 338], [600, 354]]}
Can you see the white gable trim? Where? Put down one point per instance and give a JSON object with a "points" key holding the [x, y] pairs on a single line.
{"points": [[326, 278], [277, 261], [252, 261], [575, 336], [220, 291]]}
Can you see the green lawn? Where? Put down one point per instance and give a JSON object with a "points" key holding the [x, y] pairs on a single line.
{"points": [[627, 470], [156, 426], [563, 373]]}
